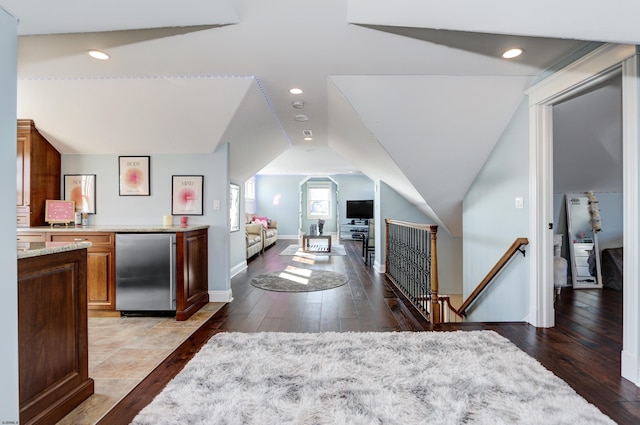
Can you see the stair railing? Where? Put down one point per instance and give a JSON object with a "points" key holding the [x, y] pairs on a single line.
{"points": [[411, 263], [411, 260]]}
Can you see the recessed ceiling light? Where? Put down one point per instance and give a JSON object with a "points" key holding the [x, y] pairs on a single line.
{"points": [[308, 139], [298, 104], [98, 54], [512, 53], [301, 117], [296, 90]]}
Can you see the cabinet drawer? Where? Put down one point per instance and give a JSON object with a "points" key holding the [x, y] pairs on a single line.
{"points": [[22, 220], [582, 261], [582, 271], [31, 237], [94, 238], [582, 249]]}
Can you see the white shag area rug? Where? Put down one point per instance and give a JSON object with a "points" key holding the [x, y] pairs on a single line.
{"points": [[403, 378]]}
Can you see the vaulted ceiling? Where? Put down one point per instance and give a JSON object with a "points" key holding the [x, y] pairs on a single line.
{"points": [[413, 93]]}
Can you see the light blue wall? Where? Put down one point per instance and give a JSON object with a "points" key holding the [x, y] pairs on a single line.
{"points": [[9, 405], [491, 223], [112, 209], [354, 187], [393, 206], [278, 197]]}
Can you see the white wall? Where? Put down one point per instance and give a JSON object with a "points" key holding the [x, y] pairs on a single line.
{"points": [[112, 209], [9, 404], [491, 223], [393, 206]]}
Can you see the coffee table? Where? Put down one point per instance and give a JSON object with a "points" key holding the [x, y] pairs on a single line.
{"points": [[307, 246]]}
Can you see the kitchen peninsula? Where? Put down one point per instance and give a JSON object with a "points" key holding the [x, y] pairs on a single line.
{"points": [[191, 255], [52, 330]]}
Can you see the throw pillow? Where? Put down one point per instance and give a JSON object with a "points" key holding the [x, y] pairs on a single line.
{"points": [[258, 220]]}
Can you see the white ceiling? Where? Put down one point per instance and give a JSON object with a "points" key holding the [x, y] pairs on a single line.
{"points": [[390, 91]]}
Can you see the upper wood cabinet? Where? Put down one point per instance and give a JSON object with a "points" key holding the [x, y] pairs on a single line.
{"points": [[38, 178]]}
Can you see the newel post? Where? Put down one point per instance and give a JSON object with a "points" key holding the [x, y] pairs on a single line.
{"points": [[435, 301]]}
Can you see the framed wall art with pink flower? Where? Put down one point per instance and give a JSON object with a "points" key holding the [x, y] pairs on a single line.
{"points": [[186, 195], [134, 175], [81, 189]]}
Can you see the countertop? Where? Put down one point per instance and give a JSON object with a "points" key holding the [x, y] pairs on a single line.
{"points": [[114, 229], [35, 249]]}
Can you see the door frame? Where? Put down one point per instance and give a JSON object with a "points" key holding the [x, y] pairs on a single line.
{"points": [[588, 71]]}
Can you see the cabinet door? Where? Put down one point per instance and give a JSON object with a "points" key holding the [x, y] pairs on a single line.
{"points": [[192, 278], [23, 172], [100, 276], [101, 272]]}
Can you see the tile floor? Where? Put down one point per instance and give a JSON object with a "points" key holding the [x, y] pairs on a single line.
{"points": [[123, 351]]}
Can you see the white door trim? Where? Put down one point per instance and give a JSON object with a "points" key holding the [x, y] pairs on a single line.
{"points": [[631, 209], [597, 66]]}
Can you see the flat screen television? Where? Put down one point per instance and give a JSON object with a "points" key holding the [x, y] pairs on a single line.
{"points": [[362, 209]]}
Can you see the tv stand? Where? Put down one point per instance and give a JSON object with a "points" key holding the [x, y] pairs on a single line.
{"points": [[354, 229]]}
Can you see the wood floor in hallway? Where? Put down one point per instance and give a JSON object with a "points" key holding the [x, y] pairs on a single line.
{"points": [[583, 349]]}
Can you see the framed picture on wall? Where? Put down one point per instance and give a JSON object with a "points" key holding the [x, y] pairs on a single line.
{"points": [[134, 175], [234, 207], [81, 189], [186, 195]]}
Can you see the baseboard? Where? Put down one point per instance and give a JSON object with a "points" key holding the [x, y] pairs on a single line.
{"points": [[378, 267], [630, 369], [240, 267], [220, 296]]}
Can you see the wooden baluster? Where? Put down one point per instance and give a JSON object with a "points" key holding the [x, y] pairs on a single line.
{"points": [[435, 310]]}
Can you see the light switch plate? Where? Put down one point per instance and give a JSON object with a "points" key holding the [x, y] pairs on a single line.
{"points": [[519, 203], [216, 204]]}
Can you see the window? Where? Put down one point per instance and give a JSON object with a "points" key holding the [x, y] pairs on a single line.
{"points": [[318, 200], [250, 196], [250, 188]]}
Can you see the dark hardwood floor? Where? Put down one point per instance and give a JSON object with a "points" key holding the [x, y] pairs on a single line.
{"points": [[583, 349]]}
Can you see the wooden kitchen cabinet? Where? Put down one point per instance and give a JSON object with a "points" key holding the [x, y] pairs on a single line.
{"points": [[53, 345], [101, 267], [31, 237], [38, 175], [192, 276]]}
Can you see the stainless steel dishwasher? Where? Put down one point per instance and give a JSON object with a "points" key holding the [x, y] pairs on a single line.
{"points": [[145, 272]]}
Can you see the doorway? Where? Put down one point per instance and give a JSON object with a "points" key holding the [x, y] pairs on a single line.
{"points": [[587, 156], [318, 200], [600, 65]]}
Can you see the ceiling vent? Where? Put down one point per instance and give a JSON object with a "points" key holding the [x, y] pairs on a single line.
{"points": [[307, 133]]}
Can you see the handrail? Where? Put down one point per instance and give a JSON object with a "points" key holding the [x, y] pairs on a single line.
{"points": [[515, 247]]}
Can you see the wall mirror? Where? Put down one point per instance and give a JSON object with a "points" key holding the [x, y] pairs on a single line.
{"points": [[583, 243]]}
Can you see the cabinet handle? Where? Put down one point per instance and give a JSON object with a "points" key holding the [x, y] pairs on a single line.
{"points": [[79, 239]]}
